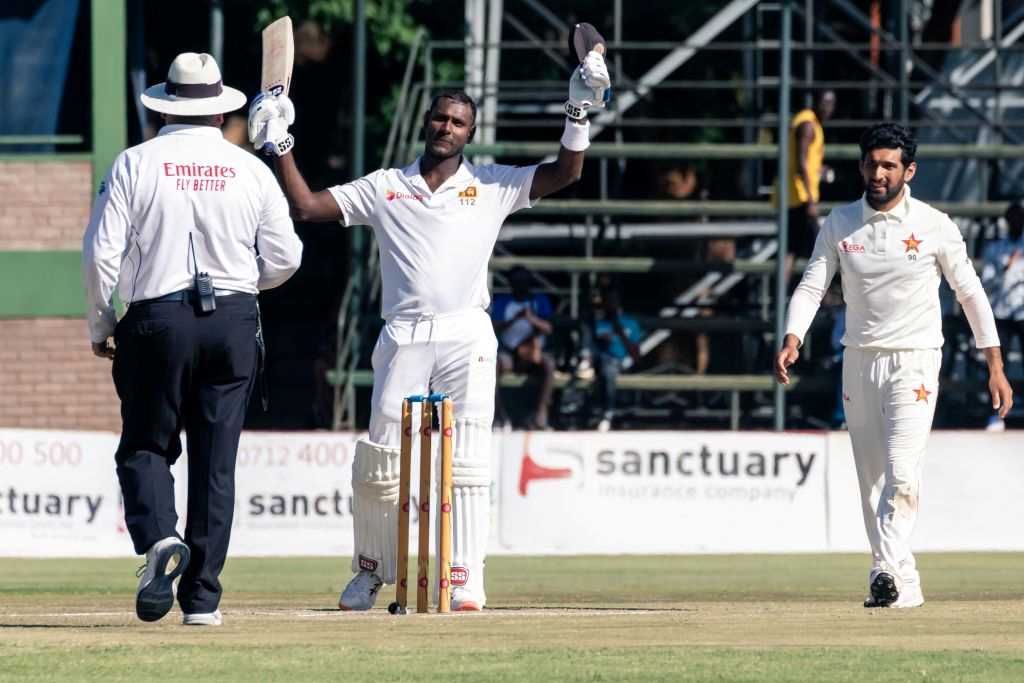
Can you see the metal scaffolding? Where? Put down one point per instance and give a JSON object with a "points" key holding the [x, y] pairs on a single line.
{"points": [[782, 45]]}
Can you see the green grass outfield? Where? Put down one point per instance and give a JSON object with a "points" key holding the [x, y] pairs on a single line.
{"points": [[706, 618]]}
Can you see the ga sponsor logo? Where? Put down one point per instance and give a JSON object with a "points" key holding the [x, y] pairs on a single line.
{"points": [[851, 247], [460, 576], [392, 195]]}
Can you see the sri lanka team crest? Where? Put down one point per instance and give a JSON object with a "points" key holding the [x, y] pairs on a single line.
{"points": [[468, 196]]}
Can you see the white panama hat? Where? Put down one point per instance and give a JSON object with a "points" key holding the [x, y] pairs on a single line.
{"points": [[193, 88]]}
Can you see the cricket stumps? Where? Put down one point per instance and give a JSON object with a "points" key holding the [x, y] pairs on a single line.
{"points": [[444, 555]]}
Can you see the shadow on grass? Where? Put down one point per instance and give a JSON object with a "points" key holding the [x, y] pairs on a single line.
{"points": [[602, 609], [62, 626], [526, 609]]}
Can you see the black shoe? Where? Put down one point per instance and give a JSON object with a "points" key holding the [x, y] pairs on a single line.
{"points": [[883, 591], [155, 595]]}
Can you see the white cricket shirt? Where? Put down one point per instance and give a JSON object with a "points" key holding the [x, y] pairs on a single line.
{"points": [[890, 263], [187, 180], [435, 246]]}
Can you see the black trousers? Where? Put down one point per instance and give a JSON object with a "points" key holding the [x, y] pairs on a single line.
{"points": [[802, 231], [174, 369]]}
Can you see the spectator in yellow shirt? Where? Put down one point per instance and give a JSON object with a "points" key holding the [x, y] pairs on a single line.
{"points": [[806, 168]]}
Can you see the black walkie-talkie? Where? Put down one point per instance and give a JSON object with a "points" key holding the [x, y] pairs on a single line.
{"points": [[206, 302], [205, 298]]}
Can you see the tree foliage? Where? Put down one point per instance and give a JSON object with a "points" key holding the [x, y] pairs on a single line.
{"points": [[389, 24]]}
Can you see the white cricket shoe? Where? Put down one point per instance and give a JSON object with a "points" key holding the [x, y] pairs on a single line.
{"points": [[464, 600], [361, 592], [155, 595], [203, 619], [910, 596]]}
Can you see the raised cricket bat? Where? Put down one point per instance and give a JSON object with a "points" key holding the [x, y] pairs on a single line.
{"points": [[278, 57], [582, 39]]}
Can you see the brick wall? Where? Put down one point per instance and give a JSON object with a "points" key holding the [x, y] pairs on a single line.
{"points": [[48, 375], [46, 204], [50, 379]]}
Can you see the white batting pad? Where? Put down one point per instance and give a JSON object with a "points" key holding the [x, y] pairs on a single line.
{"points": [[471, 504], [375, 471]]}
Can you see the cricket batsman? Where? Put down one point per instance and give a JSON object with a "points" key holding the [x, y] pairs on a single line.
{"points": [[436, 222], [890, 250]]}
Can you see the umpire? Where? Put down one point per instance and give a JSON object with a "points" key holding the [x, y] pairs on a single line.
{"points": [[187, 228]]}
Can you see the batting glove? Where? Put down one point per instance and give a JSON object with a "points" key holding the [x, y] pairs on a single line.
{"points": [[263, 108], [590, 86], [595, 74], [269, 118]]}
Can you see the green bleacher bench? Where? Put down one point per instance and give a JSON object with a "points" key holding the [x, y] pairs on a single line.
{"points": [[639, 381], [628, 264], [733, 384], [731, 150], [724, 208]]}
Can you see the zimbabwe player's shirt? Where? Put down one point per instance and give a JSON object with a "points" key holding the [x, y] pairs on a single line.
{"points": [[890, 264]]}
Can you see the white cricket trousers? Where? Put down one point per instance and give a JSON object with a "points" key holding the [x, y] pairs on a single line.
{"points": [[453, 353], [889, 397]]}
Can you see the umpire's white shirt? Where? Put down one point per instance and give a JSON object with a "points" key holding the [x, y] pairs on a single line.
{"points": [[891, 263], [435, 246], [187, 180]]}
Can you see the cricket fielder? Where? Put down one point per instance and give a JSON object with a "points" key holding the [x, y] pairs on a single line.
{"points": [[436, 222], [890, 250]]}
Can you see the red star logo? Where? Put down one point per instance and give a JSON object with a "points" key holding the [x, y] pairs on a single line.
{"points": [[922, 393], [912, 243]]}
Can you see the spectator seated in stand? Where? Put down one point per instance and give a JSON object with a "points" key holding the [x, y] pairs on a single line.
{"points": [[616, 336], [522, 323], [1002, 274]]}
